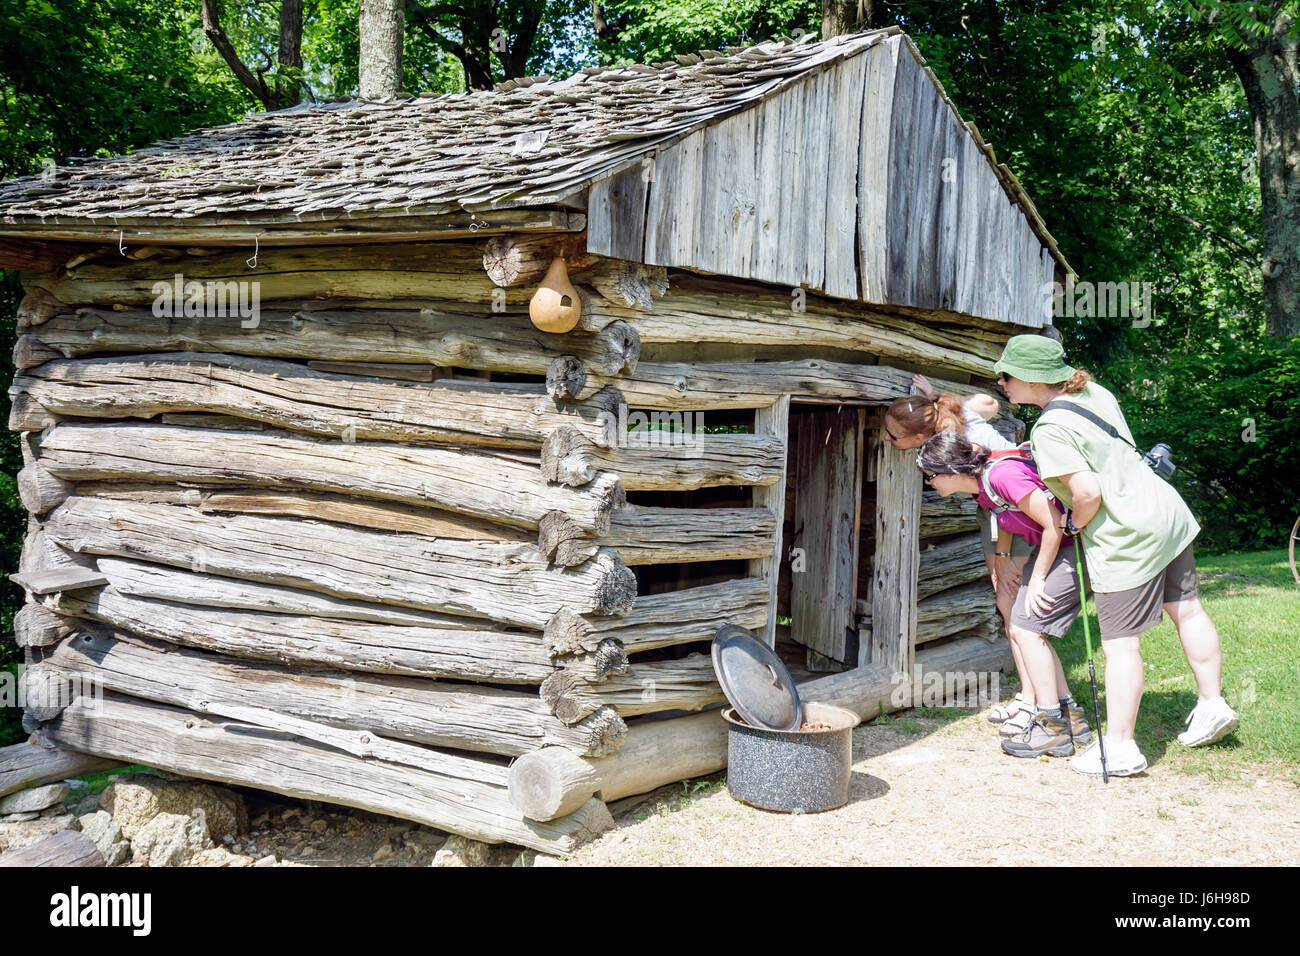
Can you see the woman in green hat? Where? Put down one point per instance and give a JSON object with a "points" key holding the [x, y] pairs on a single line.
{"points": [[1137, 544]]}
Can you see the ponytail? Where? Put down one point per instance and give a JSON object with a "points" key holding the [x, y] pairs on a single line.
{"points": [[922, 415], [1076, 382]]}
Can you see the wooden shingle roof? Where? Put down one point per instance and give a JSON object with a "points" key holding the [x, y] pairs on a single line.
{"points": [[535, 143]]}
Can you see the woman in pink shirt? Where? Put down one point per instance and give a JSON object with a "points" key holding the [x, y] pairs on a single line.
{"points": [[1047, 600]]}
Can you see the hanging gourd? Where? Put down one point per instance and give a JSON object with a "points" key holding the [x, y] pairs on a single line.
{"points": [[556, 305]]}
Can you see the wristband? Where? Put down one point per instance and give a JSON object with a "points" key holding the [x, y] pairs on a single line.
{"points": [[1001, 554], [1069, 528]]}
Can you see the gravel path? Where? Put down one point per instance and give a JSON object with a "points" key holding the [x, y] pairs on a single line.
{"points": [[947, 795]]}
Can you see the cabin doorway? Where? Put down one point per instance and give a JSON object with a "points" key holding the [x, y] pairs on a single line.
{"points": [[828, 533]]}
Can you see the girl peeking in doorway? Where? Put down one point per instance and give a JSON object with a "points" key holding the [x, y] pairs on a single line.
{"points": [[909, 422]]}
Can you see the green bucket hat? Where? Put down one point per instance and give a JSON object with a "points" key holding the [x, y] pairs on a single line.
{"points": [[1034, 358]]}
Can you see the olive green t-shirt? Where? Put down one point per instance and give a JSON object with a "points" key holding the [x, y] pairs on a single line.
{"points": [[1143, 523]]}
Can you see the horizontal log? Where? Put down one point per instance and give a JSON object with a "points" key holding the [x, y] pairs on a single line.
{"points": [[36, 626], [566, 378], [377, 515], [406, 373], [944, 613], [437, 713], [340, 509], [757, 382], [663, 620], [498, 488], [67, 848], [26, 765], [161, 583], [445, 335], [37, 307], [550, 783], [955, 609], [206, 235], [941, 516], [703, 311], [949, 563], [42, 553], [523, 260], [686, 684], [239, 753], [504, 582], [643, 535], [428, 270], [499, 656], [864, 690], [29, 351], [658, 752], [965, 655], [297, 398], [39, 489], [31, 255], [649, 461]]}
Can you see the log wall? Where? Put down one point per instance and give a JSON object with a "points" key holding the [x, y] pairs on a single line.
{"points": [[387, 520]]}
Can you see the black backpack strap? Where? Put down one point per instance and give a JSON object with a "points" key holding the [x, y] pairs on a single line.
{"points": [[1100, 422]]}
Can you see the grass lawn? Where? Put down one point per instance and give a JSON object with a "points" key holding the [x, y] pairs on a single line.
{"points": [[1255, 603]]}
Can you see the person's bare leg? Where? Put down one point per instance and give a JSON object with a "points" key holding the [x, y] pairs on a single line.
{"points": [[1125, 681], [1040, 664], [1005, 595], [1201, 644], [1062, 688]]}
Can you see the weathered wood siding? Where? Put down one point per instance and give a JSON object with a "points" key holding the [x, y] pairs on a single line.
{"points": [[860, 181]]}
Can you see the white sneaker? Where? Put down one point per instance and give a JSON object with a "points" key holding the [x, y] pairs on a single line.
{"points": [[1210, 721], [1122, 759]]}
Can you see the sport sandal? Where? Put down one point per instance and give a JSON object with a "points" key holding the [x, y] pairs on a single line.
{"points": [[1004, 712]]}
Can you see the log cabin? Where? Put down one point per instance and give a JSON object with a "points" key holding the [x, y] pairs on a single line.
{"points": [[406, 454]]}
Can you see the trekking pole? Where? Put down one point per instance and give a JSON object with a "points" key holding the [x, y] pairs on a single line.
{"points": [[1087, 641]]}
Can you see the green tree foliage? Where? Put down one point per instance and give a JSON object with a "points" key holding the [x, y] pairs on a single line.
{"points": [[85, 78], [647, 31]]}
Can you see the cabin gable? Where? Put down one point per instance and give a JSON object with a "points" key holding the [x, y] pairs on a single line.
{"points": [[920, 219]]}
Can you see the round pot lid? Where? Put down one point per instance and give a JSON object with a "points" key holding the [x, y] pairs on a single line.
{"points": [[755, 680]]}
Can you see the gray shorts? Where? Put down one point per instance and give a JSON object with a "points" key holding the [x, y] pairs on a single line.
{"points": [[1127, 613], [1062, 584], [989, 535]]}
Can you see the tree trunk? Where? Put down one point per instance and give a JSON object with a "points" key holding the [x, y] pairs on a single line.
{"points": [[382, 24], [846, 16], [1269, 70]]}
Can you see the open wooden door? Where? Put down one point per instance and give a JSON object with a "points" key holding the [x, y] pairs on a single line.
{"points": [[827, 518]]}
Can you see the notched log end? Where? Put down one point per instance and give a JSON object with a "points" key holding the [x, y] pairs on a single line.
{"points": [[566, 378], [26, 414], [563, 458], [39, 490], [29, 352], [561, 540], [607, 729], [567, 633], [617, 588], [566, 696], [619, 347], [38, 307]]}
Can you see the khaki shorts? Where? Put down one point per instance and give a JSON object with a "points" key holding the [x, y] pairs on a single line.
{"points": [[1127, 613], [1062, 585], [989, 535]]}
